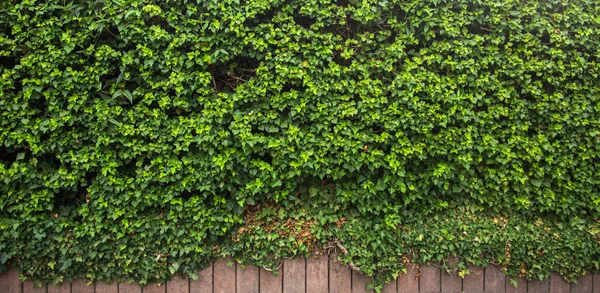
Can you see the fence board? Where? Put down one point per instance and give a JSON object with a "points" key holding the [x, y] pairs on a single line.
{"points": [[317, 272], [495, 280], [81, 286], [584, 284], [224, 276], [9, 281], [30, 287], [596, 284], [294, 275], [473, 282], [451, 283], [129, 288], [521, 286], [340, 277], [409, 283], [360, 282], [538, 286], [64, 287], [558, 284], [106, 287], [269, 283], [178, 284], [247, 279], [430, 279], [153, 288], [391, 287], [204, 284]]}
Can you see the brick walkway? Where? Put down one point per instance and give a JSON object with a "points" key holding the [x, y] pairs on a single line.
{"points": [[314, 275]]}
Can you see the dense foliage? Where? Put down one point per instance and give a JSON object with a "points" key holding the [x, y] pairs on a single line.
{"points": [[139, 139]]}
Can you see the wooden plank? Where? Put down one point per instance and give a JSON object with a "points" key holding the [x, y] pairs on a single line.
{"points": [[81, 286], [178, 284], [558, 284], [204, 284], [64, 287], [317, 273], [584, 284], [224, 276], [360, 282], [247, 279], [269, 283], [9, 281], [154, 288], [521, 286], [495, 280], [430, 279], [129, 288], [107, 287], [340, 277], [596, 284], [473, 282], [538, 286], [409, 282], [391, 287], [30, 287], [294, 275], [451, 283]]}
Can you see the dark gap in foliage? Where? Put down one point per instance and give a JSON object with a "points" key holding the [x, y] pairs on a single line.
{"points": [[288, 87], [265, 157], [7, 62], [237, 71], [477, 29], [528, 97], [545, 39], [265, 17], [337, 58], [68, 199], [8, 155], [186, 195], [108, 34], [342, 3], [128, 169], [304, 21]]}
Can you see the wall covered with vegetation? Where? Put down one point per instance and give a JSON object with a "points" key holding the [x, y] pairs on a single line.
{"points": [[139, 139]]}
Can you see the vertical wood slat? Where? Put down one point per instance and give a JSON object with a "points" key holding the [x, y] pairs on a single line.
{"points": [[154, 288], [129, 288], [409, 283], [294, 275], [178, 284], [9, 281], [247, 279], [317, 272], [340, 277], [430, 279], [64, 287], [269, 283], [224, 276], [106, 287], [538, 286], [451, 283], [521, 286], [360, 282], [391, 287], [30, 287], [558, 284], [495, 280], [81, 286], [473, 282], [596, 284], [204, 284], [584, 284]]}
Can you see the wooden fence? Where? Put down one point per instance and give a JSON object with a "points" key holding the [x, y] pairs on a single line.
{"points": [[314, 275]]}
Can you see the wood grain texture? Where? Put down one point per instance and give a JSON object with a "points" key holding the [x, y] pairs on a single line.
{"points": [[451, 283], [495, 280], [224, 276], [81, 286], [129, 288], [596, 284], [317, 273], [269, 283], [9, 282], [390, 287], [64, 287], [473, 282], [204, 284], [558, 284], [30, 287], [409, 283], [538, 286], [294, 275], [521, 286], [360, 282], [584, 284], [178, 284], [154, 288], [340, 277], [430, 279], [247, 279], [106, 287]]}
